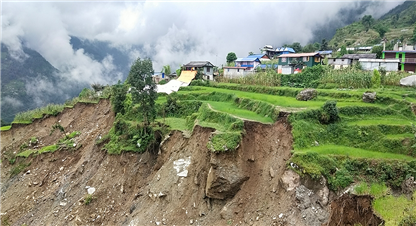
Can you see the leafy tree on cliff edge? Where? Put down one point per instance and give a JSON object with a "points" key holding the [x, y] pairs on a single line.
{"points": [[143, 88]]}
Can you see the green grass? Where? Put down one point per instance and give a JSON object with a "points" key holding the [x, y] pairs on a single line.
{"points": [[4, 128], [27, 153], [232, 109], [50, 148], [174, 123], [382, 121], [400, 136], [377, 190], [392, 208], [283, 101], [354, 152]]}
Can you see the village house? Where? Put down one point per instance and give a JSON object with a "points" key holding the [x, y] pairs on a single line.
{"points": [[251, 62], [273, 53], [349, 59], [236, 72], [407, 59], [387, 64], [308, 59], [206, 66], [288, 63]]}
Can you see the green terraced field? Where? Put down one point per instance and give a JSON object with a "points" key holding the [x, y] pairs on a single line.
{"points": [[354, 152]]}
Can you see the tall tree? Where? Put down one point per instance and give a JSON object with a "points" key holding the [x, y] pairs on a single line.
{"points": [[231, 57], [324, 45], [381, 29], [118, 95], [378, 50], [143, 88], [368, 22], [343, 51], [297, 47]]}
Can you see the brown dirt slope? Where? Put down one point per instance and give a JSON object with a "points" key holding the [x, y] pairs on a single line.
{"points": [[183, 184]]}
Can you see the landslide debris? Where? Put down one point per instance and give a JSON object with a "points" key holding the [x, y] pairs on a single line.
{"points": [[183, 183]]}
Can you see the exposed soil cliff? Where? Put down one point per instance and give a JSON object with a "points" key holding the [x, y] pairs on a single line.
{"points": [[181, 184]]}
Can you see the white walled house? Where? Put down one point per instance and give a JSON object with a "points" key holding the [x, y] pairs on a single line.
{"points": [[388, 64], [236, 72], [206, 66], [339, 63]]}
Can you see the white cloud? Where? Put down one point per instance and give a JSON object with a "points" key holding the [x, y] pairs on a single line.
{"points": [[170, 32]]}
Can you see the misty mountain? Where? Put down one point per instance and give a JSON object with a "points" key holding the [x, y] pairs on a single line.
{"points": [[31, 82], [98, 50]]}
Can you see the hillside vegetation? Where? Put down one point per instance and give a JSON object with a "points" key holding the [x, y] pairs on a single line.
{"points": [[398, 25]]}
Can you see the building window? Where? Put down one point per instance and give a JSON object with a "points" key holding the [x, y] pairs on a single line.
{"points": [[305, 59], [283, 59], [228, 70], [238, 70], [317, 60], [208, 69]]}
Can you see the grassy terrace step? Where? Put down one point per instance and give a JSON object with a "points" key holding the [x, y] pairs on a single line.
{"points": [[283, 101], [354, 152], [400, 136], [232, 109], [174, 123], [383, 121], [387, 94]]}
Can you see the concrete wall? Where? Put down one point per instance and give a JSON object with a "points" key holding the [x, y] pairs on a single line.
{"points": [[389, 66], [286, 70], [236, 73]]}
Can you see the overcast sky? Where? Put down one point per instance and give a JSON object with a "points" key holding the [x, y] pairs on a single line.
{"points": [[171, 32]]}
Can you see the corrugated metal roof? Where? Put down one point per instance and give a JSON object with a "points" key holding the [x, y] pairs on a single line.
{"points": [[256, 56], [360, 56], [247, 59], [235, 67], [380, 60], [199, 64], [299, 55], [324, 52], [187, 76], [264, 66], [285, 49], [400, 51]]}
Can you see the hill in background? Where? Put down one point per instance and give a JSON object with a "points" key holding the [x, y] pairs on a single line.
{"points": [[398, 23]]}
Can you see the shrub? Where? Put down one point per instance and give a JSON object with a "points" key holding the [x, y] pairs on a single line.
{"points": [[330, 112], [119, 92], [88, 198], [163, 82], [375, 79]]}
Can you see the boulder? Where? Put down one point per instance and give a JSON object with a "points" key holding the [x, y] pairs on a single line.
{"points": [[408, 81], [224, 182], [369, 97], [307, 94]]}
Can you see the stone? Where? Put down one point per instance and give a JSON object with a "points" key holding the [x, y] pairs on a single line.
{"points": [[307, 94], [369, 97], [91, 190], [290, 180], [408, 81], [225, 181], [271, 171]]}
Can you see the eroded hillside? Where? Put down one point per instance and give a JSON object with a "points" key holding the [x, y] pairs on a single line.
{"points": [[181, 183]]}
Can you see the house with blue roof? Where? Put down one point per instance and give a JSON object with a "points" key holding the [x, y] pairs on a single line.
{"points": [[251, 62], [273, 53]]}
